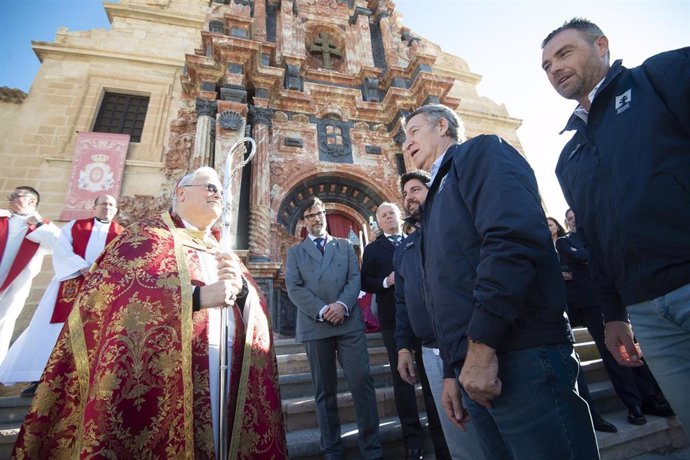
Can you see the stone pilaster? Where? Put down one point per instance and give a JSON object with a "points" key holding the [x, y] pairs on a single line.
{"points": [[259, 197], [385, 25], [202, 155]]}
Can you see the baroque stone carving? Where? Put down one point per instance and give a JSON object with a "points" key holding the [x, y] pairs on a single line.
{"points": [[370, 90], [260, 116], [138, 207], [294, 142], [293, 80], [206, 107], [230, 120]]}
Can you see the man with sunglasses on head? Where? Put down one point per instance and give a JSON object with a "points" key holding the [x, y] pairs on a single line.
{"points": [[135, 371], [25, 237], [323, 281]]}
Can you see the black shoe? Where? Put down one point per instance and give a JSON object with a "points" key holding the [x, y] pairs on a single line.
{"points": [[414, 454], [29, 391], [635, 416], [443, 454], [602, 425], [657, 406]]}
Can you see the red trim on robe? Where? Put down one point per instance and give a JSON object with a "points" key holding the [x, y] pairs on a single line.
{"points": [[68, 290], [26, 252]]}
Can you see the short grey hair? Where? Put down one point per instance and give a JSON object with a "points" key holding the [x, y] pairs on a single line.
{"points": [[189, 178], [387, 204], [434, 112]]}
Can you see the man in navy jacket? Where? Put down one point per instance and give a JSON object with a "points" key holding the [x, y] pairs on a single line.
{"points": [[494, 292], [412, 325], [626, 173]]}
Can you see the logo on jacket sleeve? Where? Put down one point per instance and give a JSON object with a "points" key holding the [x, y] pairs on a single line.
{"points": [[623, 101]]}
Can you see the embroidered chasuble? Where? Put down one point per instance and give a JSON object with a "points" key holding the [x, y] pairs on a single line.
{"points": [[129, 375]]}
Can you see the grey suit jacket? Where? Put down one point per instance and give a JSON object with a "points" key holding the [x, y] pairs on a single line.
{"points": [[314, 280]]}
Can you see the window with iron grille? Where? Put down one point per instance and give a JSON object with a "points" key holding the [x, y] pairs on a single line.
{"points": [[122, 114]]}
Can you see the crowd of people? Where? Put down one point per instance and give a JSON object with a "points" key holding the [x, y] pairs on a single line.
{"points": [[477, 302]]}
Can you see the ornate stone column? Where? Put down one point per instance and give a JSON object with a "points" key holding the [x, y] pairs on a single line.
{"points": [[203, 142], [259, 196]]}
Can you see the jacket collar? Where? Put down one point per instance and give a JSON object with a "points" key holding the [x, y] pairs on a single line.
{"points": [[575, 122]]}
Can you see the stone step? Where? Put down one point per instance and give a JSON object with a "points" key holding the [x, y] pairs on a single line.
{"points": [[632, 440], [587, 351], [604, 397], [581, 335], [299, 385], [290, 346], [304, 444], [594, 371], [13, 409], [8, 435], [298, 363], [300, 413]]}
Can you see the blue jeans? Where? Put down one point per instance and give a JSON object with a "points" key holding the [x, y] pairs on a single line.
{"points": [[539, 415], [662, 326], [461, 444]]}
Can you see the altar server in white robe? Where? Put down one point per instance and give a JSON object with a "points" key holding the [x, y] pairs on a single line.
{"points": [[25, 237], [79, 244]]}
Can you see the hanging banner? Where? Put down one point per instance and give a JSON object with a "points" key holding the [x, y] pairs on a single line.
{"points": [[97, 168]]}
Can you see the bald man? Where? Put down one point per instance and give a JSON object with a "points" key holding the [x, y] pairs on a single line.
{"points": [[80, 242]]}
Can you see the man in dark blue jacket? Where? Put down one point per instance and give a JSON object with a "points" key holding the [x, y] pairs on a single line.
{"points": [[493, 288], [626, 173], [412, 326]]}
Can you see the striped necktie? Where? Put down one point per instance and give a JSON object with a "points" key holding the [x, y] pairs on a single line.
{"points": [[319, 244], [395, 239]]}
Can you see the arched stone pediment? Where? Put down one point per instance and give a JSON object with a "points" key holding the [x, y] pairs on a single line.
{"points": [[330, 189]]}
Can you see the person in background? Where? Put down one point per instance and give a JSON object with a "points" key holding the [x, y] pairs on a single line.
{"points": [[378, 278], [557, 232], [25, 238], [635, 386], [80, 242], [323, 280]]}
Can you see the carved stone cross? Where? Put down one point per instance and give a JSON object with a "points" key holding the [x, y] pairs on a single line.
{"points": [[322, 44]]}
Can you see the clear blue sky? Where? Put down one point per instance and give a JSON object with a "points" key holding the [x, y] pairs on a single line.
{"points": [[22, 21], [499, 39]]}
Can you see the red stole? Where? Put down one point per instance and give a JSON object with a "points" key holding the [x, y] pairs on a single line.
{"points": [[67, 292], [26, 252]]}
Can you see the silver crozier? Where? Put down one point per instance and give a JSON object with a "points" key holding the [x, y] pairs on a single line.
{"points": [[226, 246]]}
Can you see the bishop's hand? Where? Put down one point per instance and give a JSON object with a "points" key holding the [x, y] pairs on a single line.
{"points": [[224, 291]]}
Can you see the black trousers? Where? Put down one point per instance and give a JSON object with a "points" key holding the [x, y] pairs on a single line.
{"points": [[406, 399], [632, 384]]}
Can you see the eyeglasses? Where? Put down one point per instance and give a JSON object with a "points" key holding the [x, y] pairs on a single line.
{"points": [[15, 195], [311, 217], [211, 188]]}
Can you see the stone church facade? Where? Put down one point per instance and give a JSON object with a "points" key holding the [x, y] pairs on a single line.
{"points": [[321, 85]]}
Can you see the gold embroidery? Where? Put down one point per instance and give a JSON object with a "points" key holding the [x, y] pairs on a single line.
{"points": [[186, 318]]}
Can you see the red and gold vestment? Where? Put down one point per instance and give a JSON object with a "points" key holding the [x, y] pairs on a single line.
{"points": [[129, 375]]}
